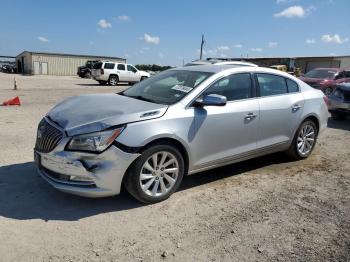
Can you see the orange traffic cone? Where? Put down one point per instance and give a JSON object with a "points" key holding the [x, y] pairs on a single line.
{"points": [[12, 102]]}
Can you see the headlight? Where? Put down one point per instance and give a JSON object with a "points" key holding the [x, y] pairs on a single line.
{"points": [[95, 142], [338, 94]]}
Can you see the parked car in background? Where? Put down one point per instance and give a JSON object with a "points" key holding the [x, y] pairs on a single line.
{"points": [[85, 70], [113, 73], [339, 101], [326, 79], [8, 68], [219, 62], [178, 122]]}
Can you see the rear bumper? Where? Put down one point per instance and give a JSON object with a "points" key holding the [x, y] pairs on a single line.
{"points": [[85, 174], [338, 106]]}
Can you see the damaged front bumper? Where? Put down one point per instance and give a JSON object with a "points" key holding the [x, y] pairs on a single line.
{"points": [[84, 174]]}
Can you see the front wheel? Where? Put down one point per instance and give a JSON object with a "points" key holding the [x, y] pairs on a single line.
{"points": [[304, 141], [143, 78], [156, 174]]}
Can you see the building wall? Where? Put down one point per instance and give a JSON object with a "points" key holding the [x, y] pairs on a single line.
{"points": [[345, 62], [63, 65]]}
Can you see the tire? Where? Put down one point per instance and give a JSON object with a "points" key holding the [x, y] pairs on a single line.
{"points": [[113, 80], [145, 187], [143, 78], [338, 116], [87, 75], [102, 82], [295, 150], [328, 91]]}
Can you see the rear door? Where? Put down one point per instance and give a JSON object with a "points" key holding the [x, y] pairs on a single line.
{"points": [[281, 105], [122, 73]]}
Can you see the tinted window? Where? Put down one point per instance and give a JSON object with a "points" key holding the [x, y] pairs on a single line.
{"points": [[121, 67], [132, 69], [270, 85], [233, 87], [109, 66], [347, 74], [167, 87], [292, 86], [98, 65]]}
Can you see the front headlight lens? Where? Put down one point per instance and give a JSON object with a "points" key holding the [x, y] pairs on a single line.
{"points": [[94, 142]]}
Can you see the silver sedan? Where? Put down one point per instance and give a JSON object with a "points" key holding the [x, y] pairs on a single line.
{"points": [[177, 123]]}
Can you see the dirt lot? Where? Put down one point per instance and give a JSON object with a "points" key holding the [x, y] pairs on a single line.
{"points": [[267, 209]]}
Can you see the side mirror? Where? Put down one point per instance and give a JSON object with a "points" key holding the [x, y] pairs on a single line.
{"points": [[211, 100]]}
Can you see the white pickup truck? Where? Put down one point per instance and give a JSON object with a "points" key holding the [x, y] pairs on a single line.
{"points": [[112, 73]]}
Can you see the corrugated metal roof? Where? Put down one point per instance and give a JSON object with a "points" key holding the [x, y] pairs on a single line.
{"points": [[71, 55]]}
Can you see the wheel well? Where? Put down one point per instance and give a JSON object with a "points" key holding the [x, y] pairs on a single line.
{"points": [[315, 120], [113, 75], [173, 142]]}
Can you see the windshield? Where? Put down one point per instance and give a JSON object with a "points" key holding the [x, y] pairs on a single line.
{"points": [[168, 87], [321, 73]]}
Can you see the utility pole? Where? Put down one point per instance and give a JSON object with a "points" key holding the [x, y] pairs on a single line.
{"points": [[202, 44]]}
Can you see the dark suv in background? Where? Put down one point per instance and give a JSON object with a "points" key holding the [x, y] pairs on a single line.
{"points": [[326, 79], [85, 70]]}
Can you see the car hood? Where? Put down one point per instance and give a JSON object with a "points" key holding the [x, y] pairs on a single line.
{"points": [[95, 112]]}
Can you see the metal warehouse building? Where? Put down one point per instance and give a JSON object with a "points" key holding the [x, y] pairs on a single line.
{"points": [[55, 63], [304, 63]]}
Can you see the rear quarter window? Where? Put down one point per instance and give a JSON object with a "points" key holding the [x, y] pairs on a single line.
{"points": [[98, 65], [293, 87], [109, 66]]}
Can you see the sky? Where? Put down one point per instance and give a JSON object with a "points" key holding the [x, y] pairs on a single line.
{"points": [[169, 32]]}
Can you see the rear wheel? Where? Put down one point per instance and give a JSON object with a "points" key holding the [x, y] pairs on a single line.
{"points": [[156, 174], [113, 80], [304, 140]]}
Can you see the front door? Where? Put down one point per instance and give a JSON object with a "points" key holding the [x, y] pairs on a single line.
{"points": [[222, 133], [133, 74]]}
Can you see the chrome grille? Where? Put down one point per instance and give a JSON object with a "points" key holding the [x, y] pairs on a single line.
{"points": [[47, 137]]}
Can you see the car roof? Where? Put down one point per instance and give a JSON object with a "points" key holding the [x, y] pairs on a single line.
{"points": [[232, 69]]}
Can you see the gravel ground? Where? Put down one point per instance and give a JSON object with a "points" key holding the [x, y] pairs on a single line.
{"points": [[267, 209]]}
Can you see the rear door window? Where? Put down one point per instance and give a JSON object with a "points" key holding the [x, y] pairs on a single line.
{"points": [[121, 67], [109, 66], [271, 85]]}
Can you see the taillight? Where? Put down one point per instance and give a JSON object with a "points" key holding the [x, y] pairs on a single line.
{"points": [[102, 71], [326, 100]]}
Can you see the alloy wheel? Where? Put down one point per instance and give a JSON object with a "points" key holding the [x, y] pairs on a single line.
{"points": [[159, 174], [306, 139]]}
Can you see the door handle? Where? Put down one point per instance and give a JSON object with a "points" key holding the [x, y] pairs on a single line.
{"points": [[250, 116], [296, 107]]}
